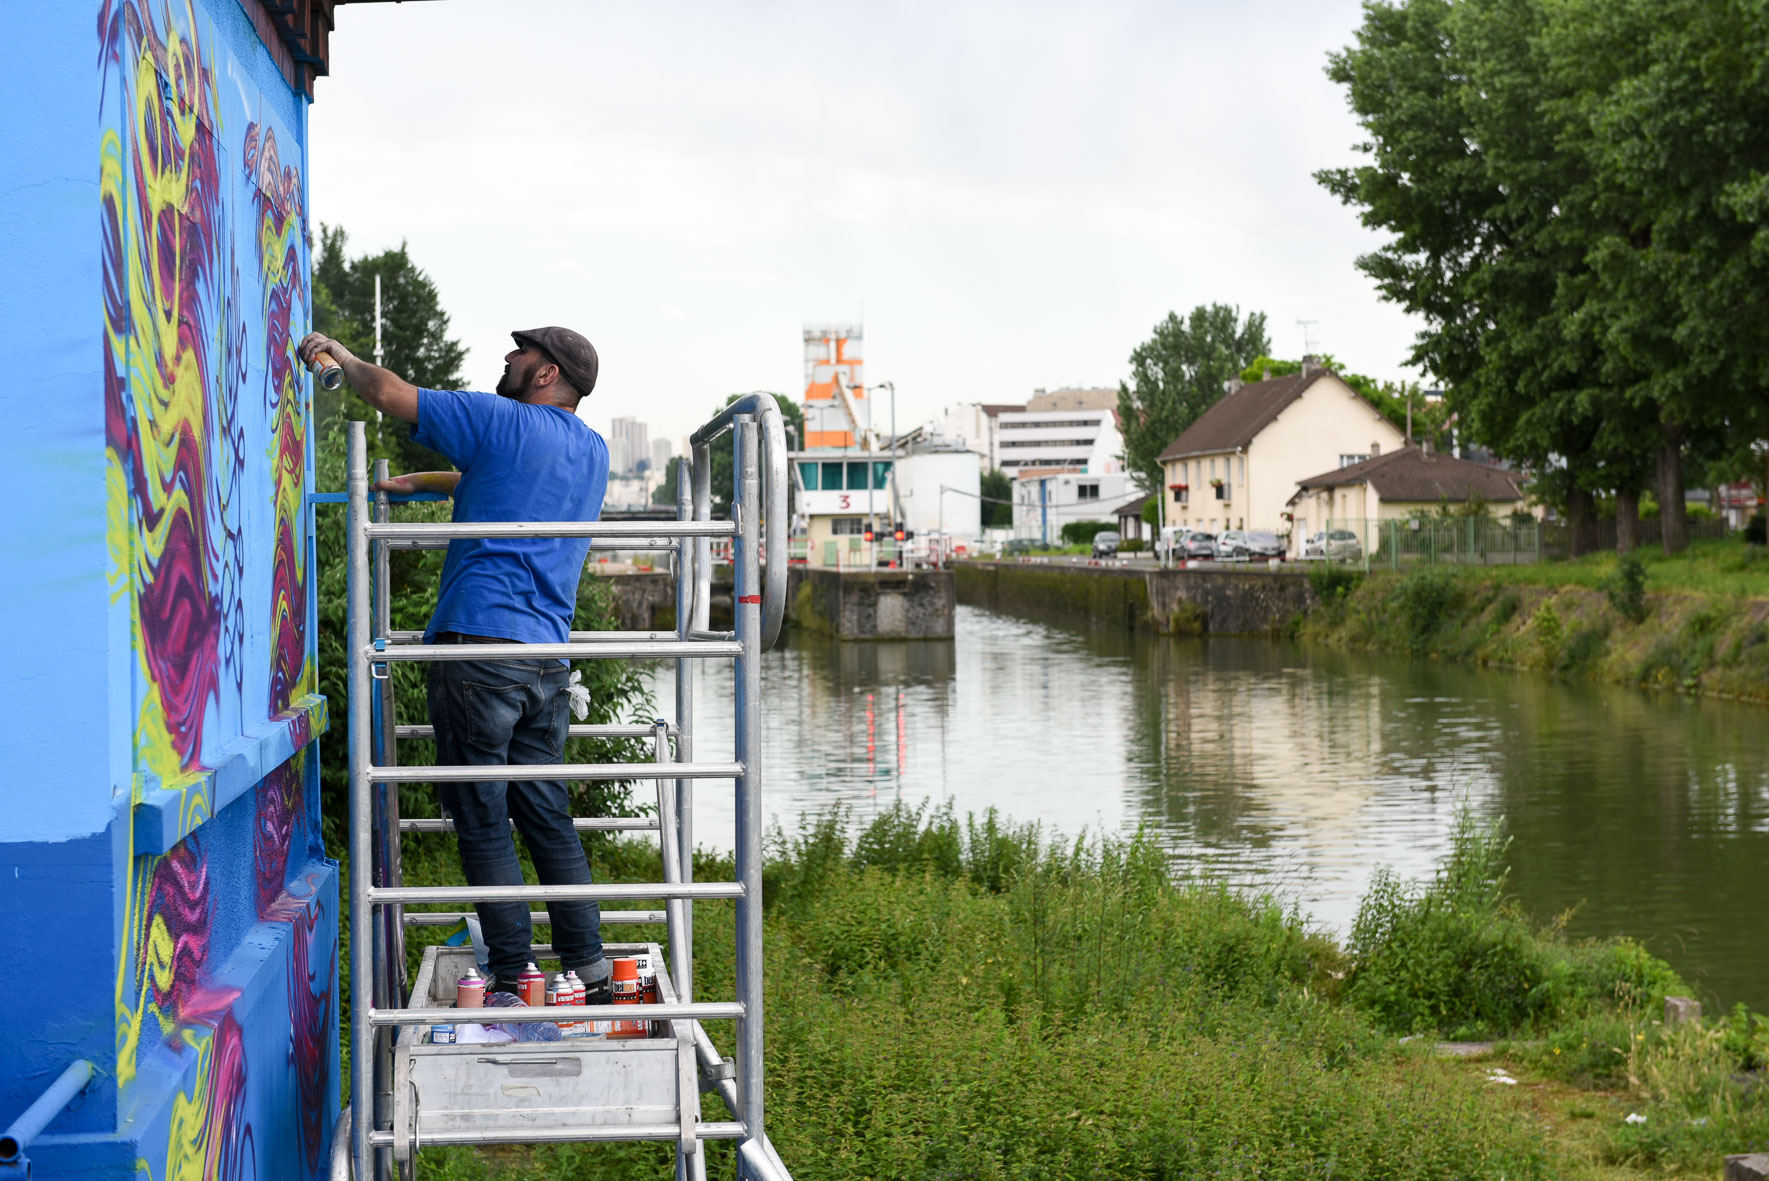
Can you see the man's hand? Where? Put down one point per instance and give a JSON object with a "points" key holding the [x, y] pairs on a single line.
{"points": [[386, 392], [314, 343], [406, 485]]}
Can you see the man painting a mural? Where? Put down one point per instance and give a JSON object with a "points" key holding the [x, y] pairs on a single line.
{"points": [[522, 455]]}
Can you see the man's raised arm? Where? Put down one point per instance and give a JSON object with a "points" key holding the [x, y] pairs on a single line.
{"points": [[385, 391]]}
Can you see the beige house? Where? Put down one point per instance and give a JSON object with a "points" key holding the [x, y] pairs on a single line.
{"points": [[1401, 484], [1238, 466]]}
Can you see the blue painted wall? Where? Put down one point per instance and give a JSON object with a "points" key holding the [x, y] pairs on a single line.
{"points": [[167, 899]]}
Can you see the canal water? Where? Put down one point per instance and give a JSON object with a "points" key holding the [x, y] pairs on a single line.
{"points": [[1290, 768]]}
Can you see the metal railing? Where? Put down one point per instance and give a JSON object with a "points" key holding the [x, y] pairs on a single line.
{"points": [[378, 895], [1401, 543]]}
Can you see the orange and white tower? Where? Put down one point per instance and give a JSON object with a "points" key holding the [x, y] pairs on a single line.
{"points": [[837, 413]]}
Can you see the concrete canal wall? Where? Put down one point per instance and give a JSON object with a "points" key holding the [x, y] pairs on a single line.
{"points": [[872, 604], [1227, 600]]}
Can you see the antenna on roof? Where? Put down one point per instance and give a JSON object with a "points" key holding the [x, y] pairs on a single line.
{"points": [[1307, 337]]}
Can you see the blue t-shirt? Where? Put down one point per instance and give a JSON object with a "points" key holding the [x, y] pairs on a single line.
{"points": [[518, 462]]}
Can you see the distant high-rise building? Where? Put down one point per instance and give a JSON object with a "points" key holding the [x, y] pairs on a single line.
{"points": [[628, 442], [661, 454]]}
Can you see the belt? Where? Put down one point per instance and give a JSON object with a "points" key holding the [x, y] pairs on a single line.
{"points": [[469, 638]]}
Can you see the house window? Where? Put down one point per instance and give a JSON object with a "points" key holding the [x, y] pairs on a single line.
{"points": [[1087, 492], [808, 472], [1180, 494], [1348, 460], [1241, 469], [847, 526], [832, 477], [1222, 492]]}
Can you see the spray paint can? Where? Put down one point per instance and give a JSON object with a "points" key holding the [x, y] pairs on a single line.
{"points": [[331, 374], [648, 993], [627, 990], [470, 990], [560, 992], [531, 986], [647, 977], [581, 996]]}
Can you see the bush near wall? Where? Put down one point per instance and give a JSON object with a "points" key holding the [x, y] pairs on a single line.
{"points": [[1081, 532], [1615, 632]]}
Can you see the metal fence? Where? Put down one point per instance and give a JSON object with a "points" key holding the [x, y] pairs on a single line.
{"points": [[1404, 542], [1557, 535]]}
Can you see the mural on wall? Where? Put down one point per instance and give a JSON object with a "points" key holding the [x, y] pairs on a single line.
{"points": [[276, 200], [204, 294]]}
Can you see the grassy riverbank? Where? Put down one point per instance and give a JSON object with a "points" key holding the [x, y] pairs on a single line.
{"points": [[965, 1000], [1698, 623]]}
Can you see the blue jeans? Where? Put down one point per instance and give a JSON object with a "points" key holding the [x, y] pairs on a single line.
{"points": [[493, 713]]}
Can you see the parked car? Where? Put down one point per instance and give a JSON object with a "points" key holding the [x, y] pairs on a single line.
{"points": [[1231, 544], [1105, 543], [1171, 542], [1259, 544], [1198, 545], [1341, 545], [1315, 547]]}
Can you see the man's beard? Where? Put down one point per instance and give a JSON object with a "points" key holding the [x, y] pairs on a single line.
{"points": [[511, 386]]}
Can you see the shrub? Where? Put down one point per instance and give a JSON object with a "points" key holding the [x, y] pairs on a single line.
{"points": [[1582, 649], [1755, 530], [1625, 587], [1133, 545], [1081, 532], [1332, 583], [1454, 956], [1422, 601]]}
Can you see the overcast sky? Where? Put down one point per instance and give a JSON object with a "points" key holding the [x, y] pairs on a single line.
{"points": [[1008, 195]]}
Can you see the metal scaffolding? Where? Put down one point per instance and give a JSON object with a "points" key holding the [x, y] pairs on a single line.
{"points": [[408, 1091]]}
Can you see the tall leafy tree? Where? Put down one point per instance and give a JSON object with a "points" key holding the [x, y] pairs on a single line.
{"points": [[1667, 102], [1577, 192], [1177, 374], [997, 490], [414, 334], [1468, 178]]}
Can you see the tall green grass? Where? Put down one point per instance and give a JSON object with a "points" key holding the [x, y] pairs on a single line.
{"points": [[972, 999], [1455, 957]]}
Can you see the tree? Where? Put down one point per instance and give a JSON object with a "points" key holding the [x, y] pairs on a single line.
{"points": [[997, 505], [1177, 374], [1576, 191], [1466, 177], [1665, 101], [414, 335]]}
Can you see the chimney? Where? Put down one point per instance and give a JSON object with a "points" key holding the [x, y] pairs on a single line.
{"points": [[1375, 449], [1311, 365], [1232, 384]]}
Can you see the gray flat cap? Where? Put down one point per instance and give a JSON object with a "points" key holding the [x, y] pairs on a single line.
{"points": [[575, 356]]}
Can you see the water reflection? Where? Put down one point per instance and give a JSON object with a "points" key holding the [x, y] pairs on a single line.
{"points": [[1291, 768]]}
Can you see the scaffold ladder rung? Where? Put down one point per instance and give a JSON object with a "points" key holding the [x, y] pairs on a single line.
{"points": [[538, 918], [581, 823], [569, 771], [594, 892]]}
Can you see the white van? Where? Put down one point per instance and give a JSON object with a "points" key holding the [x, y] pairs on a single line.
{"points": [[1171, 542]]}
